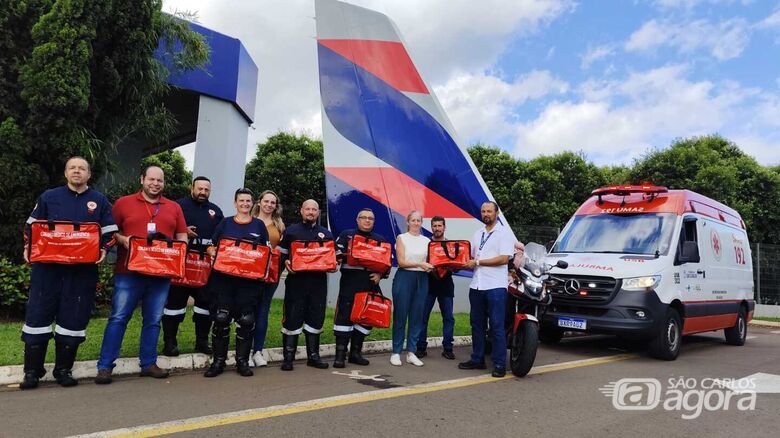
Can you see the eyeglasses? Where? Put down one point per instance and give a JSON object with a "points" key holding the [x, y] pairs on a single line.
{"points": [[365, 218]]}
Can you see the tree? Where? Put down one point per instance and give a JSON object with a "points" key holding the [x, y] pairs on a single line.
{"points": [[559, 183], [178, 180], [76, 78], [501, 173], [717, 168], [544, 191], [292, 166]]}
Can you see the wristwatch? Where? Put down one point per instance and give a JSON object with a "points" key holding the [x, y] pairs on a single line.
{"points": [[477, 262]]}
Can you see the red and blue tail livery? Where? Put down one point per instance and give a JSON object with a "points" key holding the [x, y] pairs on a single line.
{"points": [[388, 144]]}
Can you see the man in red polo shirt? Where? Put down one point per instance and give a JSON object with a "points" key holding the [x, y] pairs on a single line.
{"points": [[141, 214]]}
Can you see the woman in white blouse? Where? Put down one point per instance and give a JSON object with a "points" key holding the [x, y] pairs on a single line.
{"points": [[410, 288]]}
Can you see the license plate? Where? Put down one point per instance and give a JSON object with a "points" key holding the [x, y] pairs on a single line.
{"points": [[572, 323]]}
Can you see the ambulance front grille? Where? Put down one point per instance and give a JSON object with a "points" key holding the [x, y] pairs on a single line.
{"points": [[584, 289]]}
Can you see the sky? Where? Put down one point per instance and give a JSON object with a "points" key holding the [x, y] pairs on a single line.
{"points": [[610, 78]]}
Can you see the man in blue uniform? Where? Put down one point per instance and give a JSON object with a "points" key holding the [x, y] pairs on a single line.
{"points": [[202, 218], [305, 293], [63, 294], [353, 279]]}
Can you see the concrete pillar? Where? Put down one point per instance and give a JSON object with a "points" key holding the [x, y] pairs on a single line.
{"points": [[220, 150]]}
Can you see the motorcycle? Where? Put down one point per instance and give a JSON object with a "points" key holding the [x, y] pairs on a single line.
{"points": [[529, 285]]}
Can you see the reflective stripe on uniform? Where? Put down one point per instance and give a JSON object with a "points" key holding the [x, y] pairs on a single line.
{"points": [[200, 311], [357, 268], [66, 332], [342, 328], [170, 312], [36, 330], [282, 250], [108, 229], [362, 329], [30, 220], [311, 329], [292, 332]]}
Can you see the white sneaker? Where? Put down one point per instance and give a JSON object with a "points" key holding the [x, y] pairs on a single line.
{"points": [[259, 359], [395, 359], [251, 362], [412, 359]]}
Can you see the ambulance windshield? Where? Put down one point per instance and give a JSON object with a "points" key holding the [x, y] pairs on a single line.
{"points": [[648, 233]]}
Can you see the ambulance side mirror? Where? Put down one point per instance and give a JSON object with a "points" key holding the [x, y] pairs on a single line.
{"points": [[690, 253], [562, 264]]}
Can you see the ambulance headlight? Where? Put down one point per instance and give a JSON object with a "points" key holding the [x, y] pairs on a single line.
{"points": [[641, 283]]}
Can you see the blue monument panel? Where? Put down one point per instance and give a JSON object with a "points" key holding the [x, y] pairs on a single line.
{"points": [[230, 74]]}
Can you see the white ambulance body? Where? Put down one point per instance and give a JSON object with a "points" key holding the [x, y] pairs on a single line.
{"points": [[651, 263]]}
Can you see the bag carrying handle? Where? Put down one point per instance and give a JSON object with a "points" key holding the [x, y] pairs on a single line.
{"points": [[201, 248], [447, 251], [255, 242], [52, 225], [376, 290], [159, 236]]}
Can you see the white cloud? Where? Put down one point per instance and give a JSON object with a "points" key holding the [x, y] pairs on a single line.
{"points": [[481, 106], [690, 4], [616, 121], [724, 40], [446, 38], [596, 53], [772, 21]]}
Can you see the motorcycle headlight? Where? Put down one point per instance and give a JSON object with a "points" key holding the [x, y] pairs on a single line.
{"points": [[533, 287], [641, 283]]}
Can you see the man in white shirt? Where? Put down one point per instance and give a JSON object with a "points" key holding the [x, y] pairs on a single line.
{"points": [[491, 248]]}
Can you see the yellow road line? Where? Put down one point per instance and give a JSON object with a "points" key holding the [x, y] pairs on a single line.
{"points": [[209, 421]]}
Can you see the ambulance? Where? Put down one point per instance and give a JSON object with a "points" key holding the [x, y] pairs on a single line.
{"points": [[654, 264]]}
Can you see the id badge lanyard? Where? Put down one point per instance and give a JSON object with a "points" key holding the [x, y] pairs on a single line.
{"points": [[483, 240], [151, 227]]}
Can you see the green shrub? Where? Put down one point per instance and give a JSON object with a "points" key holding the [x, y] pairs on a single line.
{"points": [[14, 288], [105, 286]]}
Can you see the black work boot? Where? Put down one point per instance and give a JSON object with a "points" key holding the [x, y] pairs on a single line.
{"points": [[289, 345], [220, 338], [356, 349], [243, 347], [313, 351], [170, 327], [202, 327], [34, 356], [65, 355], [341, 351]]}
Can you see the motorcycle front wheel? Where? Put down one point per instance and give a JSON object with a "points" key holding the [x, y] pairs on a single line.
{"points": [[524, 344]]}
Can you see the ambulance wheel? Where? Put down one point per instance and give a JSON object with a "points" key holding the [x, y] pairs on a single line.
{"points": [[666, 344], [550, 335], [736, 335]]}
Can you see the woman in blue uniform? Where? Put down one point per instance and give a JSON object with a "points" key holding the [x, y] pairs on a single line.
{"points": [[234, 298]]}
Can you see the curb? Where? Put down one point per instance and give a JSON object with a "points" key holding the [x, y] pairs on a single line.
{"points": [[760, 323], [13, 374]]}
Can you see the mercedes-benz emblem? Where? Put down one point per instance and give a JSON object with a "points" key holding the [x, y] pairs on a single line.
{"points": [[572, 287]]}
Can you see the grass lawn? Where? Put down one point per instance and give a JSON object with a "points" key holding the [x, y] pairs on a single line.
{"points": [[12, 350], [766, 318]]}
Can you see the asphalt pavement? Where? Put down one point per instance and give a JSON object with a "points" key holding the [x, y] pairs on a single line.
{"points": [[568, 393]]}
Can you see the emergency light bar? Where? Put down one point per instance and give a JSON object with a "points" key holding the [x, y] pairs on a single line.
{"points": [[626, 190]]}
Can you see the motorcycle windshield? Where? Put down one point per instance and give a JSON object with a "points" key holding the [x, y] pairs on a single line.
{"points": [[535, 252]]}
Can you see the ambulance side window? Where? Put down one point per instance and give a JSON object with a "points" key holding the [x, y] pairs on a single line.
{"points": [[687, 234]]}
